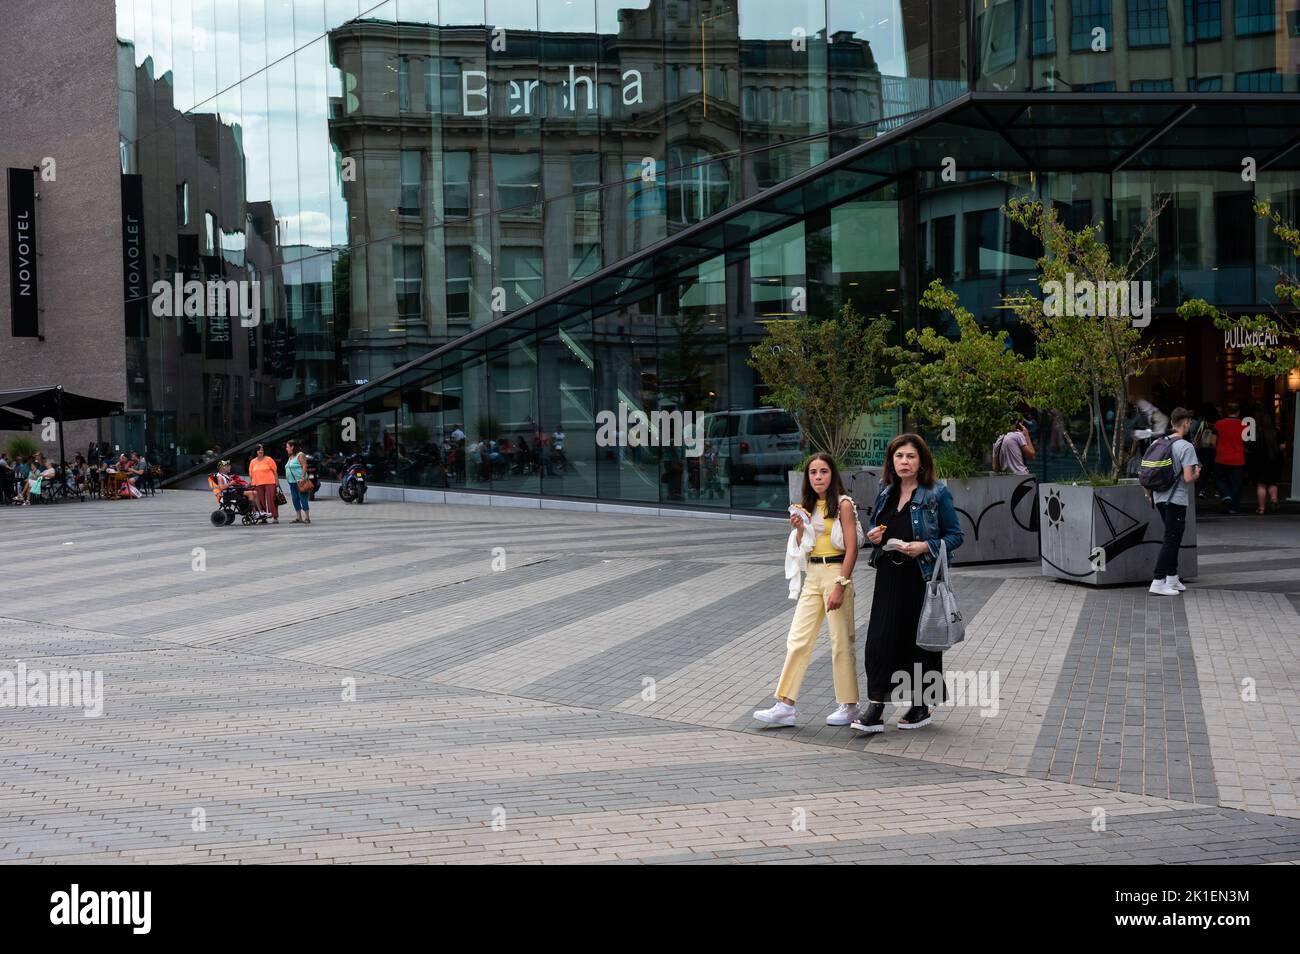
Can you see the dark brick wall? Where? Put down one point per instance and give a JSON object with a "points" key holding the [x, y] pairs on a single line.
{"points": [[58, 98]]}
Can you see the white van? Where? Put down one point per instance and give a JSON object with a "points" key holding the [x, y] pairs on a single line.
{"points": [[761, 443]]}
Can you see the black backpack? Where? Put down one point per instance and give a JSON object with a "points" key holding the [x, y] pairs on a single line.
{"points": [[1158, 471]]}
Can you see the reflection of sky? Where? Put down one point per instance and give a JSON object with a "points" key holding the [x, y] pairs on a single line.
{"points": [[280, 108]]}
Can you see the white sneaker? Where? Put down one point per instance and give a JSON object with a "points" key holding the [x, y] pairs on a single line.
{"points": [[844, 713], [1162, 588], [1175, 583], [779, 714]]}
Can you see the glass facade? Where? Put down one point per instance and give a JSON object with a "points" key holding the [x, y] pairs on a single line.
{"points": [[398, 174], [1126, 45], [479, 228]]}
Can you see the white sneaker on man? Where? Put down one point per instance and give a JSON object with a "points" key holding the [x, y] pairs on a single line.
{"points": [[1161, 587], [779, 714], [1175, 583], [844, 713]]}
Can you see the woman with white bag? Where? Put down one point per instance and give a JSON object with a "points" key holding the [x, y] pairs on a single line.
{"points": [[825, 542], [912, 516]]}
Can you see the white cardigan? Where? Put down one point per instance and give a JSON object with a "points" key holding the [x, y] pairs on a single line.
{"points": [[795, 553]]}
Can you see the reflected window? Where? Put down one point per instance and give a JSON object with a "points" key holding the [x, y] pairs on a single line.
{"points": [[1254, 17], [697, 187], [1086, 16], [183, 204], [1148, 23], [945, 247], [404, 83], [1203, 19], [518, 180], [1259, 81], [584, 260], [408, 277], [456, 184], [982, 246], [1044, 20], [412, 173], [1207, 84], [442, 86], [1152, 86], [458, 283], [210, 232], [521, 276], [1001, 24]]}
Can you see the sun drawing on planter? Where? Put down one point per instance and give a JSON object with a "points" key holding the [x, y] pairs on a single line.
{"points": [[1055, 508]]}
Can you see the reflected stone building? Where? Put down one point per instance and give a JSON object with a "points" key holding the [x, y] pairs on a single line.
{"points": [[477, 224]]}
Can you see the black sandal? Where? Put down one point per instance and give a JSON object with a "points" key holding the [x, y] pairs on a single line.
{"points": [[916, 717], [872, 719]]}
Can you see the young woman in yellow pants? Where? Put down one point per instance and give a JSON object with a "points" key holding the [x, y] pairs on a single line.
{"points": [[827, 594]]}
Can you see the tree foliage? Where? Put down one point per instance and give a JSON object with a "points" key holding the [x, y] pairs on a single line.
{"points": [[826, 372], [974, 379], [1082, 360]]}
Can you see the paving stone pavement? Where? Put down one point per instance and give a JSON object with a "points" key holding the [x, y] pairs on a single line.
{"points": [[408, 682]]}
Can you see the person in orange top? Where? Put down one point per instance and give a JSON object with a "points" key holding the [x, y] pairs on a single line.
{"points": [[264, 474]]}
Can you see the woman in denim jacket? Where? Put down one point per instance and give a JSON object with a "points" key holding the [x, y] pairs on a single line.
{"points": [[913, 508]]}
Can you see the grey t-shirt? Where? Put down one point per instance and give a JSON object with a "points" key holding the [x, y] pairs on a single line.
{"points": [[1184, 455]]}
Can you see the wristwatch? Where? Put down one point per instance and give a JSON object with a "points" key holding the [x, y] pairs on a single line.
{"points": [[843, 581]]}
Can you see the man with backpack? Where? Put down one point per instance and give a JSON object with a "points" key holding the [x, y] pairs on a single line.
{"points": [[1169, 467]]}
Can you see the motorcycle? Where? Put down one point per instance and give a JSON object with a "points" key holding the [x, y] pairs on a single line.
{"points": [[352, 489]]}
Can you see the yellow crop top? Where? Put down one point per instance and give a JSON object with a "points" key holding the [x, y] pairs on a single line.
{"points": [[822, 545]]}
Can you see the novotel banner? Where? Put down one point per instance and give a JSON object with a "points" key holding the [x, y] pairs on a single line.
{"points": [[135, 288], [22, 253]]}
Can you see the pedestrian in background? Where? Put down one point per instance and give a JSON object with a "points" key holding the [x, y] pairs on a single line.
{"points": [[1203, 441], [1229, 457], [1265, 456], [1172, 502], [295, 471], [265, 477], [1012, 449]]}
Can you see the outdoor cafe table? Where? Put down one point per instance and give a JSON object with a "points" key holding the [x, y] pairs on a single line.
{"points": [[113, 484]]}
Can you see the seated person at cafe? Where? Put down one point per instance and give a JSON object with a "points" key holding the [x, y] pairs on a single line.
{"points": [[39, 470], [6, 478]]}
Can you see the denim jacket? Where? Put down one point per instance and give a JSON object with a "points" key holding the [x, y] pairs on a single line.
{"points": [[933, 519]]}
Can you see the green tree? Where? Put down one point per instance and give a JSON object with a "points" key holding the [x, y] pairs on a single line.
{"points": [[21, 446], [1083, 359], [974, 379], [1272, 341], [826, 372]]}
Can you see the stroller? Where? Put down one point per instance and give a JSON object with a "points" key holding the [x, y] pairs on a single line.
{"points": [[232, 503]]}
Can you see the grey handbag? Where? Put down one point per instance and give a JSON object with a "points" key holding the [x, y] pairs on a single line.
{"points": [[941, 626]]}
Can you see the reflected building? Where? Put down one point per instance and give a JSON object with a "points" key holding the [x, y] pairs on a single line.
{"points": [[480, 224]]}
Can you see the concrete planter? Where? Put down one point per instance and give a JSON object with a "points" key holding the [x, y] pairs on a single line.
{"points": [[860, 484], [998, 517], [997, 512], [1081, 525]]}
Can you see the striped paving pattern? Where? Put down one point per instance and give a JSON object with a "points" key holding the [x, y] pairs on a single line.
{"points": [[406, 682]]}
